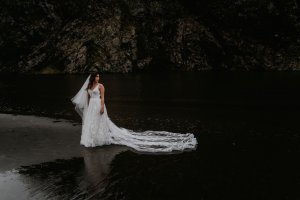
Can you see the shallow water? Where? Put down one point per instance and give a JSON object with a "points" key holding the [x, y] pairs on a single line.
{"points": [[247, 126]]}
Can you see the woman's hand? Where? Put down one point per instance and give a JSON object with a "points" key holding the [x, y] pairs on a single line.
{"points": [[102, 110]]}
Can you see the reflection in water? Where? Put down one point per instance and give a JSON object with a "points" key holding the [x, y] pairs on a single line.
{"points": [[14, 186], [77, 178], [97, 162], [102, 173]]}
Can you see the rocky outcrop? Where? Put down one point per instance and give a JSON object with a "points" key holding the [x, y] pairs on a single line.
{"points": [[51, 36]]}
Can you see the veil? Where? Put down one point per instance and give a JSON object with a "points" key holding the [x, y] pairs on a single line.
{"points": [[80, 100]]}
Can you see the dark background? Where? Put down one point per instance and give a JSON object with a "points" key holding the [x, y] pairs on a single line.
{"points": [[52, 36]]}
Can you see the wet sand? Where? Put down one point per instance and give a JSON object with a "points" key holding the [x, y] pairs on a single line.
{"points": [[29, 140]]}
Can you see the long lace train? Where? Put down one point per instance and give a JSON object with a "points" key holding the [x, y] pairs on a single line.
{"points": [[150, 141]]}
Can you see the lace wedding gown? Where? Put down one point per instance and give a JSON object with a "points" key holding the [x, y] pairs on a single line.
{"points": [[98, 130]]}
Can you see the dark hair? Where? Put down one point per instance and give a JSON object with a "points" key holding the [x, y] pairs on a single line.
{"points": [[92, 78]]}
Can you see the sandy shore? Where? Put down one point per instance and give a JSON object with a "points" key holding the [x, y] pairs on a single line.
{"points": [[28, 140]]}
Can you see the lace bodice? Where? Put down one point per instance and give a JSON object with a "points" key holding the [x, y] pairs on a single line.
{"points": [[94, 93]]}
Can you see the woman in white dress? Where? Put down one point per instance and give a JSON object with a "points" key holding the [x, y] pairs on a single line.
{"points": [[98, 129]]}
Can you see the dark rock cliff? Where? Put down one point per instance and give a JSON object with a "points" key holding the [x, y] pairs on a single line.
{"points": [[52, 36]]}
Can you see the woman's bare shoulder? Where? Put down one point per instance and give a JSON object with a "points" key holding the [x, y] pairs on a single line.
{"points": [[101, 86]]}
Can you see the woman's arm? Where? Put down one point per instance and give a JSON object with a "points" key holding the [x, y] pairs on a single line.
{"points": [[102, 90], [88, 98]]}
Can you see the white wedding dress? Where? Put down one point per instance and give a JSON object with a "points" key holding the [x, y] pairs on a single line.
{"points": [[98, 130]]}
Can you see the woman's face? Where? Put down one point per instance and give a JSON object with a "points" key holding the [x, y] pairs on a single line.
{"points": [[97, 77]]}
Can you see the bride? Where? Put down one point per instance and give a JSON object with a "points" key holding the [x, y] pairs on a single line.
{"points": [[98, 129]]}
